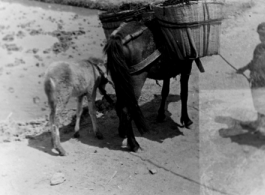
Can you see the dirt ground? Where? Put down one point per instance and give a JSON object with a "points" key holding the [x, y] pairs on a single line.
{"points": [[174, 161]]}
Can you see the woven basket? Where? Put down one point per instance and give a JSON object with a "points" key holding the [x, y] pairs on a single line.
{"points": [[111, 21], [192, 31], [147, 16]]}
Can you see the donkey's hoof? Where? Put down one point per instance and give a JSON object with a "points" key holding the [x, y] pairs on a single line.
{"points": [[76, 135], [186, 123], [61, 151], [135, 148], [99, 135]]}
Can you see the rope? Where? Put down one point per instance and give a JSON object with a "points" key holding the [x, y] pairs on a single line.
{"points": [[233, 66], [101, 72], [168, 24], [146, 62]]}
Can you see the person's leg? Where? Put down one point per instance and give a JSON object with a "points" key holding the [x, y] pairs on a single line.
{"points": [[258, 97], [261, 123]]}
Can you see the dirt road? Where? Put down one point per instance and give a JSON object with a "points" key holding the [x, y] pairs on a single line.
{"points": [[174, 161]]}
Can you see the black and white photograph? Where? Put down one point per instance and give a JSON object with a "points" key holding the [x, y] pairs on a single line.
{"points": [[144, 97]]}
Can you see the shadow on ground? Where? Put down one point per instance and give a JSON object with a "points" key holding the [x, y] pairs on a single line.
{"points": [[240, 133], [108, 124]]}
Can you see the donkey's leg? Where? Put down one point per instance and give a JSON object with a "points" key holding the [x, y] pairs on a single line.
{"points": [[56, 140], [185, 74], [131, 141], [55, 134], [165, 91], [138, 83], [52, 119], [78, 116], [61, 100], [122, 121], [92, 112]]}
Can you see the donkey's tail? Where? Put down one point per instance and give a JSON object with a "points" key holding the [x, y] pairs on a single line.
{"points": [[121, 77]]}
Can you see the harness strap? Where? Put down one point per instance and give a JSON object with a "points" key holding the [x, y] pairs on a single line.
{"points": [[144, 63], [102, 90], [118, 29], [129, 37], [97, 67], [101, 72], [168, 24]]}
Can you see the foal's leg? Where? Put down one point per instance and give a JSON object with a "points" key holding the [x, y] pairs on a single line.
{"points": [[78, 116], [185, 74], [165, 91], [55, 134], [92, 112]]}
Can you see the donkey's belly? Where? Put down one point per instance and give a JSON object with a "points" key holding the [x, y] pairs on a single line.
{"points": [[161, 69]]}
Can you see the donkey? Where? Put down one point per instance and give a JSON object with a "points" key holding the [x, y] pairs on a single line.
{"points": [[136, 51], [64, 80]]}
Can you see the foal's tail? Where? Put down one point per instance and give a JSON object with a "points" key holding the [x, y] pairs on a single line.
{"points": [[121, 77]]}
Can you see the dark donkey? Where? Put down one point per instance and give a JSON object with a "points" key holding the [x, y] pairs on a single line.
{"points": [[136, 51]]}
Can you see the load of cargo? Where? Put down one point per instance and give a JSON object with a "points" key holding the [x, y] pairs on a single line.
{"points": [[192, 28], [111, 19]]}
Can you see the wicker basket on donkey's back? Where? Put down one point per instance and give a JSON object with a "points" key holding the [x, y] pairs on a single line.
{"points": [[112, 18], [191, 28]]}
